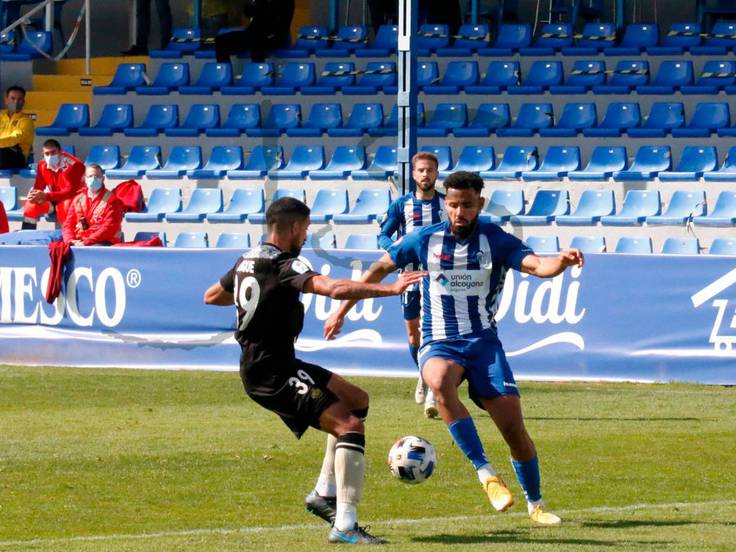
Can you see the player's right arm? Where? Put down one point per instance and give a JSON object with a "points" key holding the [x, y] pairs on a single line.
{"points": [[389, 226], [353, 291]]}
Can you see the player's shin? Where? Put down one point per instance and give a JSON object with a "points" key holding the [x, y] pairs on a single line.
{"points": [[527, 472], [326, 482], [465, 434], [349, 473]]}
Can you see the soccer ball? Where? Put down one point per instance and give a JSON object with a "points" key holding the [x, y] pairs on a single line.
{"points": [[412, 459]]}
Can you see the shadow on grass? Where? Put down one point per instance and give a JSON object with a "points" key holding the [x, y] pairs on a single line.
{"points": [[514, 537], [617, 419], [627, 523]]}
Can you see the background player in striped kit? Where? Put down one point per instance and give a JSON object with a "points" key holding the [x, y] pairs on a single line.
{"points": [[422, 207]]}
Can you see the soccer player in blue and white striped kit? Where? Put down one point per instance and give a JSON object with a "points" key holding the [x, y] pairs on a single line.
{"points": [[423, 207], [466, 260]]}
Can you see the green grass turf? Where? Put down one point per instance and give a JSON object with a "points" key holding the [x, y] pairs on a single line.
{"points": [[183, 460]]}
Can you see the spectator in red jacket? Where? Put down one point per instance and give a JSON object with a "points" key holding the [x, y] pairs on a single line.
{"points": [[95, 216], [58, 179], [4, 228]]}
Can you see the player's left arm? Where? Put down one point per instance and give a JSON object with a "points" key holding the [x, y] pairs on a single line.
{"points": [[217, 295], [549, 267]]}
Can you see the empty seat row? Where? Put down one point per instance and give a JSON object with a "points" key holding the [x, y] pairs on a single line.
{"points": [[17, 46], [241, 240]]}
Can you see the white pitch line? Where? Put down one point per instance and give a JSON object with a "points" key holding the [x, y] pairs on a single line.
{"points": [[407, 521]]}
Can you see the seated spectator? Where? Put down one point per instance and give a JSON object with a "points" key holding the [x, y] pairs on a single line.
{"points": [[59, 177], [16, 130], [96, 214], [269, 29]]}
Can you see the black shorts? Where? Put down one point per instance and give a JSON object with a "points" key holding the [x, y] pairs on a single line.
{"points": [[295, 390]]}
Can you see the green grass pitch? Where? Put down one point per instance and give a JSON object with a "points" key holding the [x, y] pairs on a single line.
{"points": [[153, 460]]}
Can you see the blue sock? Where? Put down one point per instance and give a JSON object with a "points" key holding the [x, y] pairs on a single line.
{"points": [[414, 351], [466, 437], [528, 475]]}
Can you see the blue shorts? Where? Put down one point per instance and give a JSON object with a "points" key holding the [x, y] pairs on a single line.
{"points": [[486, 368], [411, 302]]}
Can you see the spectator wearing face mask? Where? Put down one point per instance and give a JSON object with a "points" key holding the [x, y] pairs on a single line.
{"points": [[59, 177], [96, 214], [16, 130]]}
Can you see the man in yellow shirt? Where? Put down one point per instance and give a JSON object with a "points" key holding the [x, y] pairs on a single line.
{"points": [[16, 130]]}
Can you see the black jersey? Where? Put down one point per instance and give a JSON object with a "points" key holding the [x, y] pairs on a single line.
{"points": [[266, 283]]}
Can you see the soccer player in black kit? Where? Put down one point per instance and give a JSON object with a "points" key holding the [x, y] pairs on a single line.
{"points": [[264, 285]]}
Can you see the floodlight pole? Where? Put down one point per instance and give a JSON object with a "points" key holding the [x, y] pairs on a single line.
{"points": [[406, 99]]}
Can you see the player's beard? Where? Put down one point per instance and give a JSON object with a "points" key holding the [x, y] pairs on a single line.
{"points": [[426, 187], [462, 232]]}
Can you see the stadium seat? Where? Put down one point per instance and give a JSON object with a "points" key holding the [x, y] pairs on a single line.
{"points": [[262, 159], [233, 240], [619, 118], [681, 246], [161, 202], [303, 160], [547, 205], [203, 202], [558, 161], [680, 37], [626, 76], [184, 40], [634, 246], [501, 75], [334, 76], [70, 118], [543, 244], [672, 75], [589, 244], [379, 75], [575, 117], [169, 78], [279, 118], [254, 77], [593, 205], [604, 161], [716, 76], [723, 246], [26, 50], [145, 236], [326, 240], [221, 160], [473, 159], [723, 36], [192, 240], [511, 37], [368, 207], [363, 117], [347, 40], [240, 118], [663, 117], [328, 203], [309, 39], [469, 38], [114, 118], [541, 76], [431, 37], [181, 159], [9, 199], [158, 119], [140, 160], [727, 171], [638, 205], [488, 118], [458, 75], [443, 155], [723, 212], [531, 118], [648, 163], [446, 117], [516, 159], [293, 76], [198, 120], [694, 162], [584, 75], [345, 159], [637, 37], [594, 38], [361, 241], [7, 42], [502, 205], [105, 155], [553, 37], [682, 207], [213, 77], [384, 44], [128, 77], [243, 203], [322, 117], [382, 166], [706, 119], [260, 218], [428, 74]]}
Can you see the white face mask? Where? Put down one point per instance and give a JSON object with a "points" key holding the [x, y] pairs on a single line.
{"points": [[14, 107], [51, 160], [94, 183]]}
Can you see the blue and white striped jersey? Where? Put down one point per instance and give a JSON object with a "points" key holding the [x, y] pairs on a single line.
{"points": [[465, 278], [408, 213]]}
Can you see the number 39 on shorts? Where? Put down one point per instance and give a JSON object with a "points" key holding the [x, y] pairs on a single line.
{"points": [[301, 387], [247, 292]]}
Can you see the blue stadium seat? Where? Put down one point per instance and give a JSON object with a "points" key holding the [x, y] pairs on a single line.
{"points": [[648, 163], [715, 76], [203, 202], [469, 38], [114, 118], [9, 199], [7, 42], [705, 120], [384, 44], [368, 207], [627, 75], [431, 37], [683, 205], [589, 244], [158, 119], [326, 240], [695, 161], [516, 159], [293, 77], [390, 125], [637, 37], [543, 244], [233, 240], [254, 77], [428, 74], [363, 117], [213, 77], [192, 240], [262, 159], [361, 241], [347, 40], [181, 159], [723, 212], [681, 246], [727, 171], [184, 40], [553, 37], [198, 120], [106, 156], [594, 38], [240, 118], [511, 37], [619, 118], [541, 76], [260, 218], [128, 77], [322, 116], [446, 117], [723, 35], [502, 205], [328, 203], [488, 118], [161, 202], [345, 159], [70, 118], [331, 79], [501, 75], [379, 75], [382, 166], [547, 205], [575, 117], [531, 118], [672, 75], [303, 160], [243, 203], [723, 246], [41, 39], [145, 236], [634, 246], [169, 78], [443, 155], [638, 205], [584, 75], [604, 161], [458, 75], [663, 117], [558, 161], [680, 37], [222, 159], [141, 159], [309, 39], [473, 159], [279, 118]]}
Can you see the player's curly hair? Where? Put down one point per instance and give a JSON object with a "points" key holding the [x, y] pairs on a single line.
{"points": [[464, 180], [285, 211]]}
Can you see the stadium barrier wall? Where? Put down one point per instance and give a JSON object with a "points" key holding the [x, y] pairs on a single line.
{"points": [[643, 318]]}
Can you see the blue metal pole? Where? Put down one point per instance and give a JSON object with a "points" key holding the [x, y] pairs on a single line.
{"points": [[334, 8], [197, 14], [474, 11], [407, 98], [619, 14]]}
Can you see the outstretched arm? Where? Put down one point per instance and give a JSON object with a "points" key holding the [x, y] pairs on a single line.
{"points": [[354, 291], [549, 267]]}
